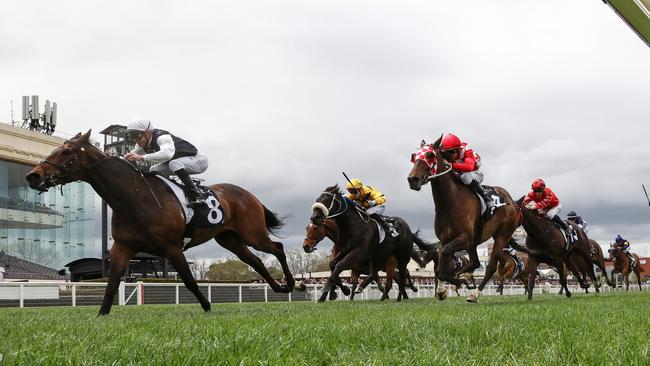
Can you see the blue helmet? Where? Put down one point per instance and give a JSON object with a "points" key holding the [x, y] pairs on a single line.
{"points": [[619, 239], [572, 215]]}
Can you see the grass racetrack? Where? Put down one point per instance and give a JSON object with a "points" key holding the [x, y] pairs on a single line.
{"points": [[605, 329]]}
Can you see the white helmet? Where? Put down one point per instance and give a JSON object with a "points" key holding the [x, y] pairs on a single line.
{"points": [[139, 125]]}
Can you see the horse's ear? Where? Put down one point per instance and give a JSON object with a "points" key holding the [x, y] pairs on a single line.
{"points": [[422, 143], [436, 145], [85, 137], [77, 135]]}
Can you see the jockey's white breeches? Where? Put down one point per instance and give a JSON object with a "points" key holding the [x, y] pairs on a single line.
{"points": [[376, 209], [468, 177], [552, 212], [192, 164]]}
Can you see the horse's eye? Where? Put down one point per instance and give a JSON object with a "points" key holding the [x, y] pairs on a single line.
{"points": [[430, 155]]}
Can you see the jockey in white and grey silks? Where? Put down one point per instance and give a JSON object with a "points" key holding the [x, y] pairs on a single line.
{"points": [[172, 154]]}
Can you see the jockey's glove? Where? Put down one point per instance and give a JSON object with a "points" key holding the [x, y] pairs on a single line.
{"points": [[372, 203]]}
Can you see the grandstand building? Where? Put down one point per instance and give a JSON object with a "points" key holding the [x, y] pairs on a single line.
{"points": [[49, 229]]}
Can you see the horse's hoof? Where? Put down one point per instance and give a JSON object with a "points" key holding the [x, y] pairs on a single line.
{"points": [[333, 295], [568, 294], [300, 286], [473, 297], [345, 290], [441, 295]]}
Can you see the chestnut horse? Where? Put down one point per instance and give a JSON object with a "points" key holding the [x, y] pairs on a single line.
{"points": [[623, 265], [316, 233], [458, 222], [545, 243], [506, 271], [139, 225], [458, 262]]}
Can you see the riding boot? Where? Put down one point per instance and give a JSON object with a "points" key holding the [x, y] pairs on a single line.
{"points": [[476, 186], [556, 219], [389, 228], [195, 195]]}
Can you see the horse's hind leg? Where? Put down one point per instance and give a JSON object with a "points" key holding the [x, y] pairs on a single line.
{"points": [[178, 261], [232, 242], [266, 245], [120, 256], [560, 270]]}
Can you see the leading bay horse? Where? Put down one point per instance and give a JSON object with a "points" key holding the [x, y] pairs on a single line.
{"points": [[458, 224], [140, 225], [623, 265]]}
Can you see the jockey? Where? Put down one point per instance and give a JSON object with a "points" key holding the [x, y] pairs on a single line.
{"points": [[573, 217], [172, 154], [546, 203], [372, 201], [624, 245], [465, 162]]}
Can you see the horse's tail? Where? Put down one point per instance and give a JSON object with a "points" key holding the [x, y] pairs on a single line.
{"points": [[421, 243], [273, 222]]}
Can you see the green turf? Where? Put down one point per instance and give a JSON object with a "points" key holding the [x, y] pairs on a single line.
{"points": [[586, 329]]}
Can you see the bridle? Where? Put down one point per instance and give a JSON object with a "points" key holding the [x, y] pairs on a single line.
{"points": [[327, 211], [53, 179], [431, 173]]}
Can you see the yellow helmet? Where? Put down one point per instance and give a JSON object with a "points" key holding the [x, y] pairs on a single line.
{"points": [[354, 184]]}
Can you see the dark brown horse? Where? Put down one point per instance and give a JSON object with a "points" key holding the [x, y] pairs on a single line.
{"points": [[139, 225], [623, 265], [359, 237], [545, 243], [581, 266], [458, 222], [316, 233]]}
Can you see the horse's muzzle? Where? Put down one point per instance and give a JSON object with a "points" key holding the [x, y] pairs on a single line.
{"points": [[36, 181], [317, 217], [415, 183], [307, 246]]}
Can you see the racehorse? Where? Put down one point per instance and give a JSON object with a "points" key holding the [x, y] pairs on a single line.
{"points": [[623, 265], [147, 217], [316, 233], [545, 243], [458, 222], [598, 260], [359, 237], [459, 262], [507, 270]]}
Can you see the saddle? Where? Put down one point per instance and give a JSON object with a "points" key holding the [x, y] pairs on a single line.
{"points": [[213, 214], [570, 235], [497, 201]]}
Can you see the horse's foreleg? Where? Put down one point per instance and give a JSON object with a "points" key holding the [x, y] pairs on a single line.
{"points": [[346, 262], [627, 281], [562, 273], [120, 256], [497, 249], [532, 265], [178, 261], [638, 279]]}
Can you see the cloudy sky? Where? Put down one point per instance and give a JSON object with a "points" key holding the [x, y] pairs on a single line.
{"points": [[283, 96]]}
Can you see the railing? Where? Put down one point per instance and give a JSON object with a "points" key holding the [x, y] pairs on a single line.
{"points": [[32, 294]]}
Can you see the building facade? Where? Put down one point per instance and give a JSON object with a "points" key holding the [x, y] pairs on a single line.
{"points": [[53, 228]]}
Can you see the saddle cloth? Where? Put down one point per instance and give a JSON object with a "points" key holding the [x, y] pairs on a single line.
{"points": [[497, 200], [212, 216], [382, 233]]}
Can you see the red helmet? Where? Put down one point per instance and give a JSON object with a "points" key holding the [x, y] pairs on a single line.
{"points": [[450, 142], [538, 183]]}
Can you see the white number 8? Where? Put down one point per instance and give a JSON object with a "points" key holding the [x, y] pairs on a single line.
{"points": [[214, 215]]}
